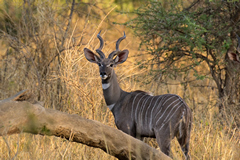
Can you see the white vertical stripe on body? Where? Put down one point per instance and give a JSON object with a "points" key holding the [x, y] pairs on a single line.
{"points": [[166, 110], [133, 105], [170, 117], [167, 100], [142, 109], [170, 112], [137, 106], [151, 119], [149, 106]]}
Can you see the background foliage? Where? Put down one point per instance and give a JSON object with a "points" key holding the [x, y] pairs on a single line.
{"points": [[181, 36]]}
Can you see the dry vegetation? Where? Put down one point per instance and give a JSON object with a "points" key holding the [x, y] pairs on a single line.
{"points": [[81, 93]]}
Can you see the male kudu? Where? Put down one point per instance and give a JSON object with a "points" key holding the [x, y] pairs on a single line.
{"points": [[138, 113]]}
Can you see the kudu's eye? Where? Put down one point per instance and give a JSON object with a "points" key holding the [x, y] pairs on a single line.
{"points": [[100, 65], [111, 65]]}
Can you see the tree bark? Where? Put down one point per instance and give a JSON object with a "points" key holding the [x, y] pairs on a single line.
{"points": [[29, 116]]}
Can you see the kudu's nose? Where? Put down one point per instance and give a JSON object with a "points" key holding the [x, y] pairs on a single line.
{"points": [[103, 75]]}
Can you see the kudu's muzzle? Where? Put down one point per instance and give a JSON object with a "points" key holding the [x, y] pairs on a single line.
{"points": [[103, 75]]}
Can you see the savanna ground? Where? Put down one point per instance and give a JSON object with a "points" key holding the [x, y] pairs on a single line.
{"points": [[71, 84]]}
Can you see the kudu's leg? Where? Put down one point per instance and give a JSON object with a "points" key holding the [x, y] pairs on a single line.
{"points": [[164, 140], [184, 143], [184, 139]]}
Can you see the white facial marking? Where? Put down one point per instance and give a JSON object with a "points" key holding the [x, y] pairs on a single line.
{"points": [[105, 85], [104, 77], [111, 106], [117, 58]]}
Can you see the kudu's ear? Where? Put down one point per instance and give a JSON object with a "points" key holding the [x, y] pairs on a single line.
{"points": [[121, 57], [90, 56]]}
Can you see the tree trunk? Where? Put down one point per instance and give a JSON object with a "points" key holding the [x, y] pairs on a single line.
{"points": [[232, 82], [29, 116]]}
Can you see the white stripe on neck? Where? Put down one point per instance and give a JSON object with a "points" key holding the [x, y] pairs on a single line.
{"points": [[105, 85], [111, 106]]}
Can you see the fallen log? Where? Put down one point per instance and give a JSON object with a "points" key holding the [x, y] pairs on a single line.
{"points": [[21, 113]]}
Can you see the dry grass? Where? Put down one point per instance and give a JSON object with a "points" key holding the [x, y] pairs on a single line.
{"points": [[211, 137]]}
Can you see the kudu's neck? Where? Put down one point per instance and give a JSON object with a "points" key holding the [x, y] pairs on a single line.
{"points": [[111, 90]]}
